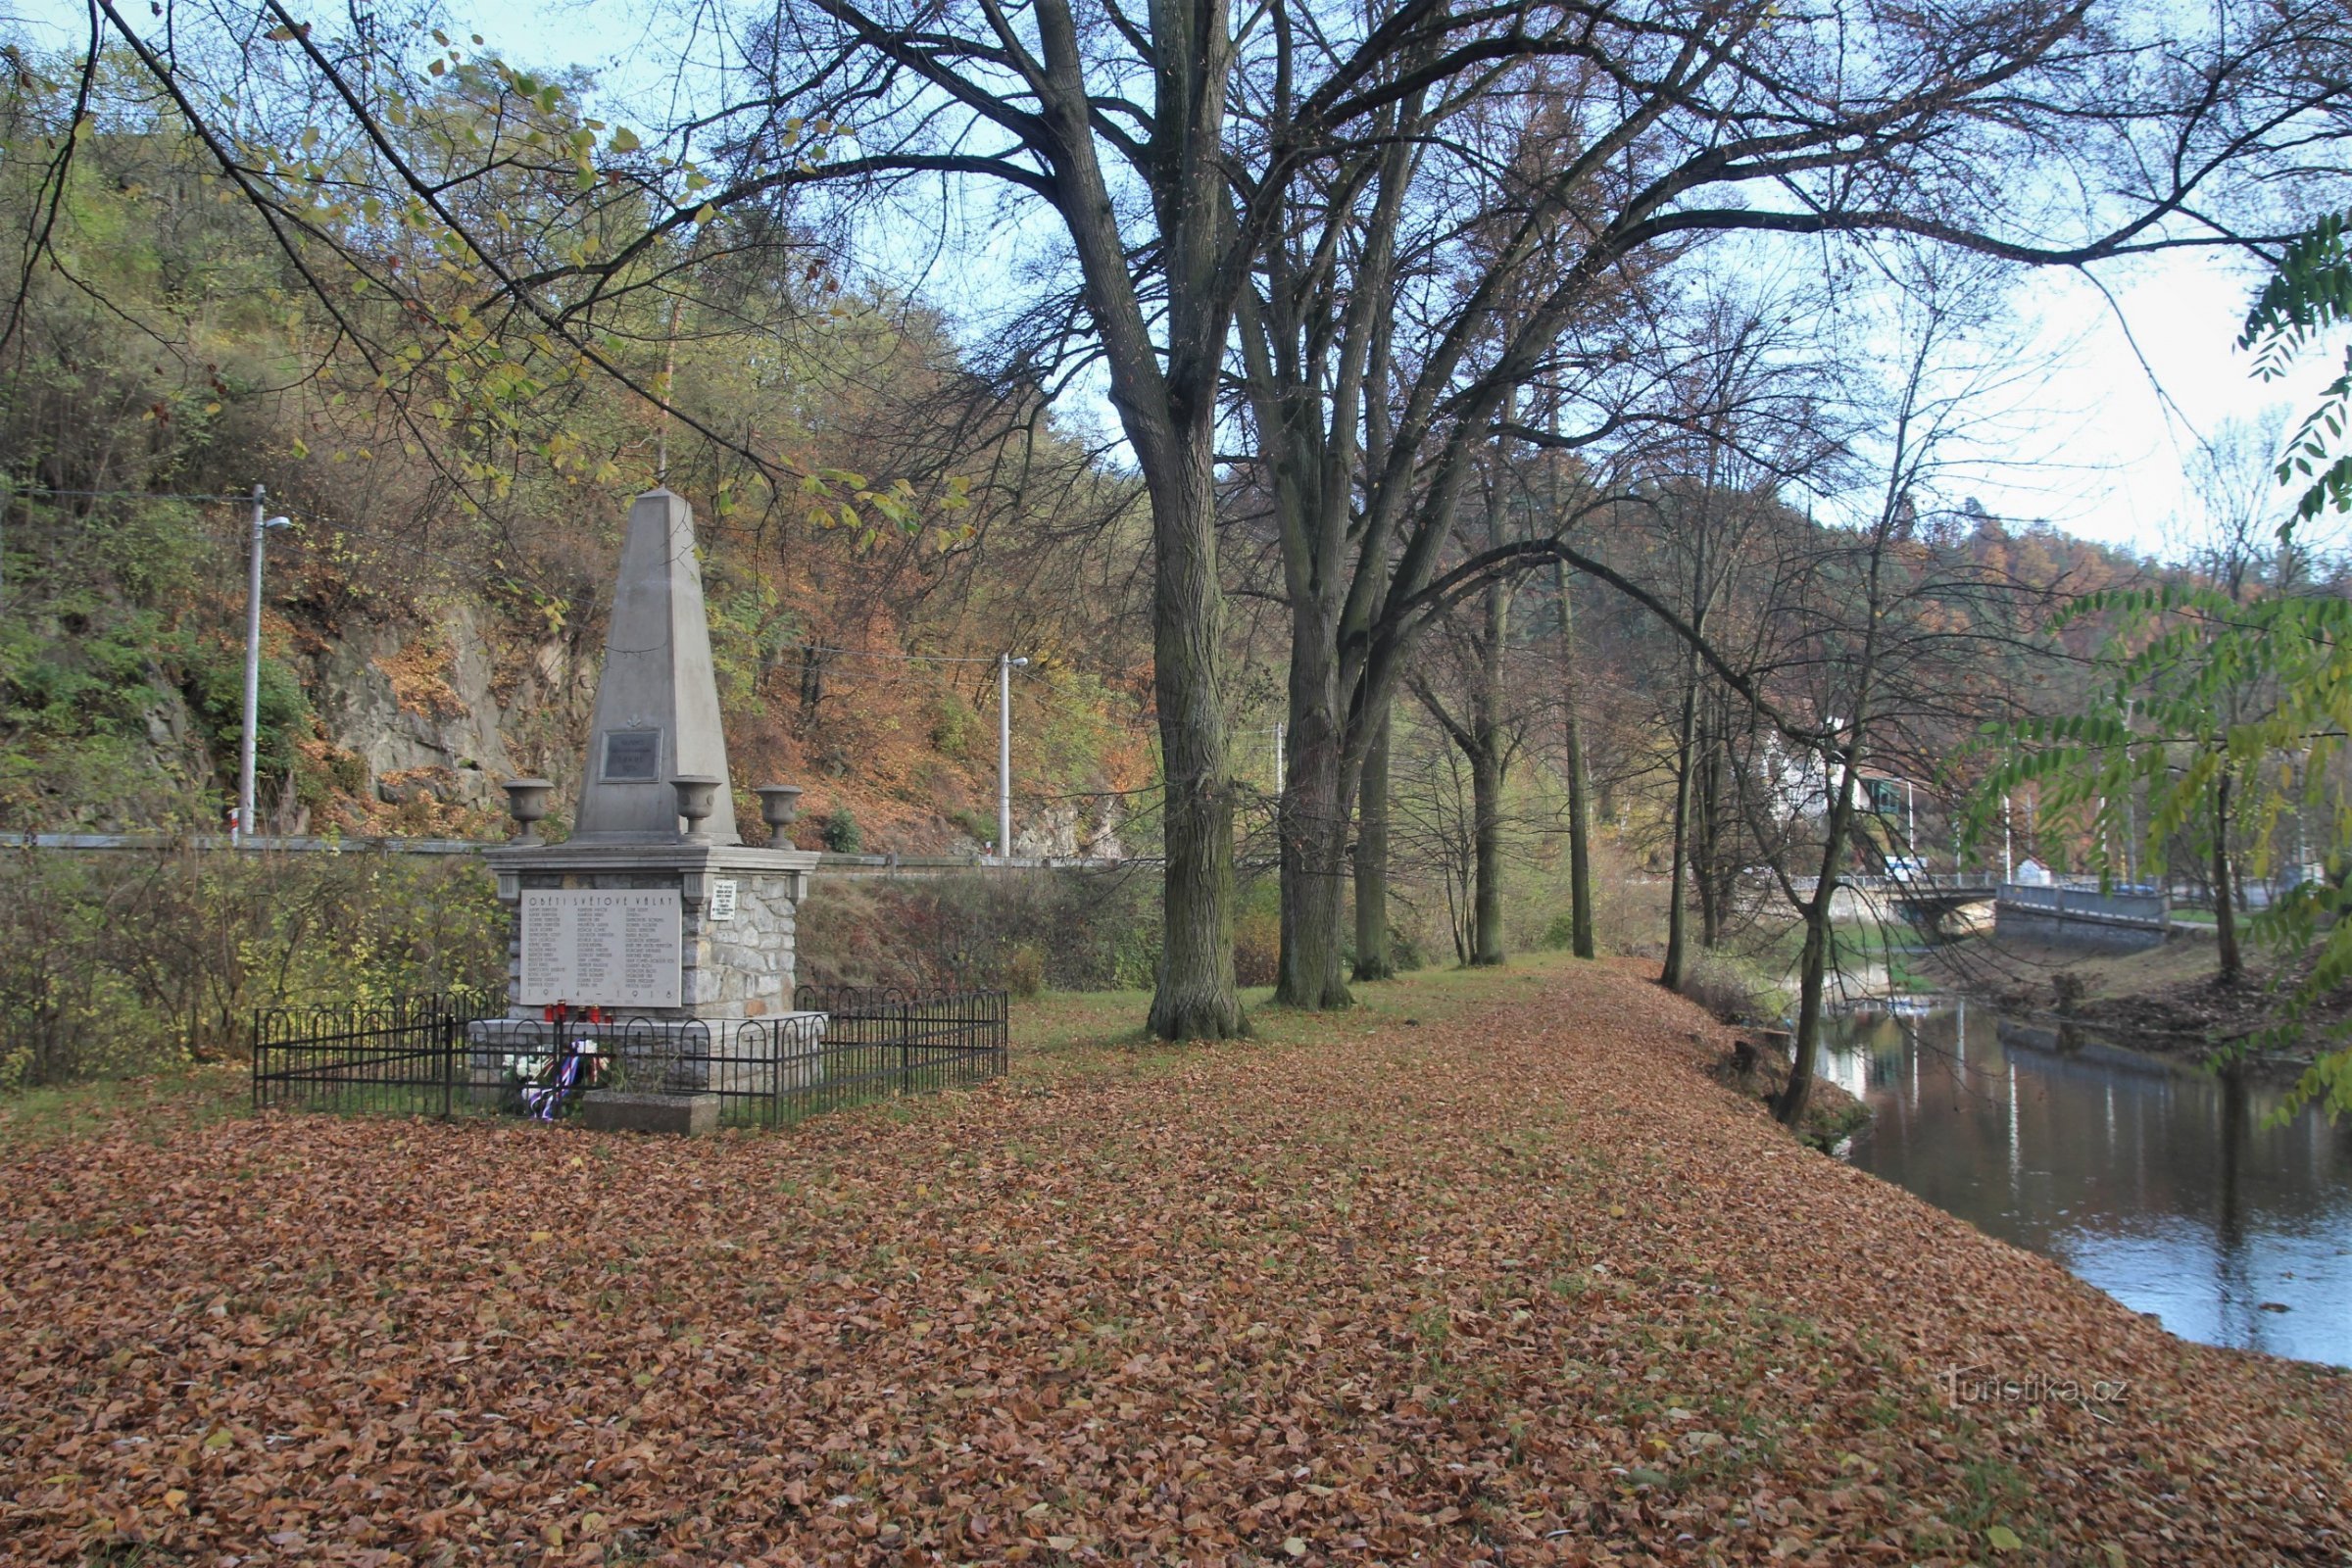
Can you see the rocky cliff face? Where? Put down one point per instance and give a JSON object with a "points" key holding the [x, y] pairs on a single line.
{"points": [[1063, 830], [440, 714]]}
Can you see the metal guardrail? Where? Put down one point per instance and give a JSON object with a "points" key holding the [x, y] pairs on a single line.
{"points": [[317, 844], [309, 845]]}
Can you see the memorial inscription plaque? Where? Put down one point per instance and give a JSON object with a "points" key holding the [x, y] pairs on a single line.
{"points": [[602, 949]]}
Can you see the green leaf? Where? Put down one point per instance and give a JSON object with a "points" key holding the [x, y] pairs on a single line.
{"points": [[2003, 1538]]}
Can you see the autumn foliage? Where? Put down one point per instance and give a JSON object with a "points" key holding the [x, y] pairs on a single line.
{"points": [[1493, 1273]]}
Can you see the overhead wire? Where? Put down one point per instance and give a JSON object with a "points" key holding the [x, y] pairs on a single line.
{"points": [[43, 492]]}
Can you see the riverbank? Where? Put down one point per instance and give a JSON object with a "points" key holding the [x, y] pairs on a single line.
{"points": [[1491, 1269], [2166, 1001]]}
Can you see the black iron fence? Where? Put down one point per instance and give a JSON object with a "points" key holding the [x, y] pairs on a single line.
{"points": [[886, 1041], [399, 1054], [455, 1054]]}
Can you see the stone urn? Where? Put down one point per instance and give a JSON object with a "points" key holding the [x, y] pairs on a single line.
{"points": [[697, 798], [780, 804], [526, 804]]}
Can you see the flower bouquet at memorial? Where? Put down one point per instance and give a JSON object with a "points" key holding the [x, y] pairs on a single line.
{"points": [[544, 1088]]}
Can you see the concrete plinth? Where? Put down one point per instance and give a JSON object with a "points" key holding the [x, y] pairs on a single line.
{"points": [[754, 1058], [740, 966], [604, 1110]]}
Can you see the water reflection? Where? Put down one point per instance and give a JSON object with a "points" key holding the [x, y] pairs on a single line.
{"points": [[2157, 1183]]}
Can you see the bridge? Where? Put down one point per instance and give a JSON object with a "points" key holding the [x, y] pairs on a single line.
{"points": [[2071, 910], [1938, 896], [1920, 897]]}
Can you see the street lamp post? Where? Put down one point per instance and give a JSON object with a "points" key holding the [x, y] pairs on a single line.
{"points": [[1007, 664], [242, 828]]}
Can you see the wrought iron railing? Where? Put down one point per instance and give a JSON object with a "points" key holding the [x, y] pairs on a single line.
{"points": [[458, 1054]]}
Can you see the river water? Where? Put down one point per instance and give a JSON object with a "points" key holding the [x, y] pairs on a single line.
{"points": [[2160, 1184]]}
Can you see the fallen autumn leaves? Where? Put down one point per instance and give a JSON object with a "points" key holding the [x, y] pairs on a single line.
{"points": [[1520, 1285]]}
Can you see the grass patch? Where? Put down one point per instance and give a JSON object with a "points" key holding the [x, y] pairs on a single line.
{"points": [[163, 1103], [1057, 1036]]}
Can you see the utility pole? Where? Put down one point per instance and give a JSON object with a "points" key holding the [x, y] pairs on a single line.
{"points": [[2008, 861], [1005, 665], [243, 828]]}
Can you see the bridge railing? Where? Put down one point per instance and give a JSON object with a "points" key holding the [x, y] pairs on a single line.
{"points": [[1981, 883], [2144, 910]]}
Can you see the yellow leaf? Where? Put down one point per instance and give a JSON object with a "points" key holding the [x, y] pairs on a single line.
{"points": [[218, 1441], [175, 1497], [2003, 1538]]}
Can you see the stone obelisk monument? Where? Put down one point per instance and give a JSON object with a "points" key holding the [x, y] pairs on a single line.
{"points": [[654, 909]]}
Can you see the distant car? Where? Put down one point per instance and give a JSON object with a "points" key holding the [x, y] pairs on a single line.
{"points": [[1906, 868]]}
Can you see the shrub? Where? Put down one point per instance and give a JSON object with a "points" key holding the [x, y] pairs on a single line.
{"points": [[1025, 971], [1088, 929], [1258, 936], [841, 835], [123, 962], [1730, 990], [956, 730]]}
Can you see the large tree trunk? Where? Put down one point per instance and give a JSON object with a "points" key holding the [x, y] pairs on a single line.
{"points": [[1677, 932], [2224, 909], [1814, 964], [1197, 997], [1812, 974], [1164, 364], [1486, 795], [1579, 812], [1486, 781], [1709, 859], [1373, 959], [1312, 818]]}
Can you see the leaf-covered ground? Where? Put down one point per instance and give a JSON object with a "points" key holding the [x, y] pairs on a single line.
{"points": [[1515, 1282]]}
